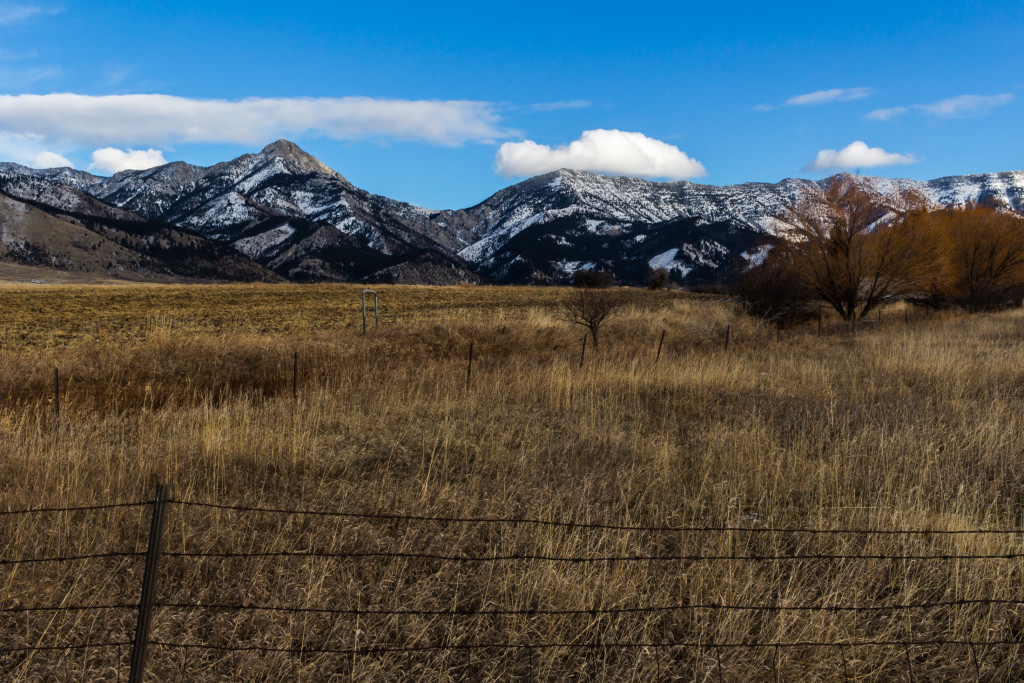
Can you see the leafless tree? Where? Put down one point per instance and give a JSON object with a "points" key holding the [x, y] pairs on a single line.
{"points": [[853, 249], [590, 308]]}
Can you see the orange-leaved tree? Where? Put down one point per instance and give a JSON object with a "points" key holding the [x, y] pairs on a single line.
{"points": [[982, 257], [856, 249]]}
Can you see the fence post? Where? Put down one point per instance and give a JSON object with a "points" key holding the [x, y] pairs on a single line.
{"points": [[56, 394], [584, 351], [376, 309], [156, 541], [295, 377], [469, 368], [728, 328], [660, 342]]}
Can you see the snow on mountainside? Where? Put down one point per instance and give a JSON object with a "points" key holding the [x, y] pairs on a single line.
{"points": [[607, 220], [337, 231], [289, 212]]}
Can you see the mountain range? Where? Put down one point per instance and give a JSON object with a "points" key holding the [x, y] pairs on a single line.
{"points": [[282, 215]]}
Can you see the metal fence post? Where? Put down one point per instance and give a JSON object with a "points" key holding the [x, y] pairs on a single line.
{"points": [[156, 541]]}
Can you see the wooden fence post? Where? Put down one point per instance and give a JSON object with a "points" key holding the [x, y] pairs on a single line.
{"points": [[295, 377], [584, 351], [56, 395], [142, 626], [376, 309], [469, 367], [660, 342], [728, 329]]}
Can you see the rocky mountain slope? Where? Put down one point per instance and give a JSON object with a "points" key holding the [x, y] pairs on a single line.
{"points": [[285, 213], [84, 235], [280, 208], [545, 227]]}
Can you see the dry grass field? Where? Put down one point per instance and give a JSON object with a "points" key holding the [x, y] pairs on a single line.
{"points": [[901, 426]]}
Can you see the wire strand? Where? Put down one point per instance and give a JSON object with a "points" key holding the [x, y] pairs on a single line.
{"points": [[585, 525], [66, 608], [241, 607], [575, 645], [80, 508], [581, 560], [69, 558]]}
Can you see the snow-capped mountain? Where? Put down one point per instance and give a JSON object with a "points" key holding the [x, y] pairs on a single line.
{"points": [[288, 212], [546, 227], [281, 208]]}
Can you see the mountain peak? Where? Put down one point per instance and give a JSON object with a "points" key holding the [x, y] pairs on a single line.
{"points": [[284, 148], [297, 158]]}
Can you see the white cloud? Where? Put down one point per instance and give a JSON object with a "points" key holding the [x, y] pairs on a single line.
{"points": [[966, 105], [961, 106], [10, 14], [603, 151], [856, 155], [828, 96], [51, 160], [558, 106], [21, 149], [166, 119], [889, 113], [113, 160]]}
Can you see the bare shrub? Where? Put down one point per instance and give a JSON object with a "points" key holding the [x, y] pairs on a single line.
{"points": [[657, 279], [590, 308], [775, 291], [592, 278]]}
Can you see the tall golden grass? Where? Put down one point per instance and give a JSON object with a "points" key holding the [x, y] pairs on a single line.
{"points": [[900, 426]]}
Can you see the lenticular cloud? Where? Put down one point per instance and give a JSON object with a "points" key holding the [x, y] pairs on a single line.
{"points": [[166, 119], [614, 152]]}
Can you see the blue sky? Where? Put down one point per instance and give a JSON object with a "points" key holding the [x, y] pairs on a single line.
{"points": [[442, 105]]}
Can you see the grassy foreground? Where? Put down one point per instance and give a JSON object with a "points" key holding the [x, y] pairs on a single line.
{"points": [[901, 426]]}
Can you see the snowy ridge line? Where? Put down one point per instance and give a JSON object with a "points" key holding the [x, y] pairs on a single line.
{"points": [[538, 231]]}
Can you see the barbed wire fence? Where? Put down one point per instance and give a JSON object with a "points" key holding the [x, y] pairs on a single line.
{"points": [[148, 607]]}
